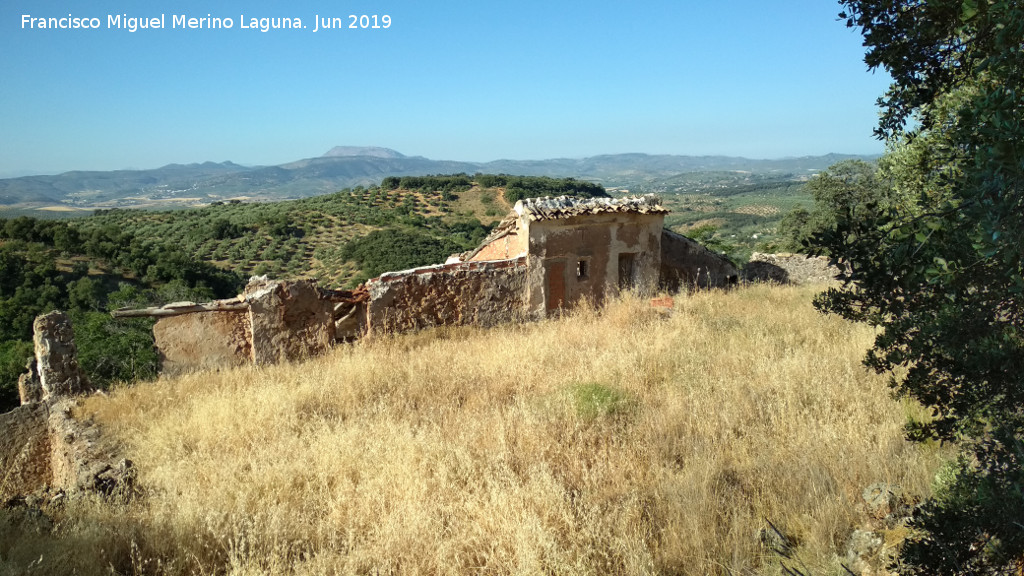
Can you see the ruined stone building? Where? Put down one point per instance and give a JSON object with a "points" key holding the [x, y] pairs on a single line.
{"points": [[547, 255]]}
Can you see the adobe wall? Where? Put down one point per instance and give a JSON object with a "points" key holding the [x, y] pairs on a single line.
{"points": [[289, 321], [557, 246], [202, 341], [484, 293], [510, 245], [685, 263], [271, 322]]}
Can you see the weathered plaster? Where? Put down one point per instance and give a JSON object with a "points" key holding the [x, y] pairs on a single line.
{"points": [[484, 293], [685, 264], [203, 341], [598, 240], [289, 321]]}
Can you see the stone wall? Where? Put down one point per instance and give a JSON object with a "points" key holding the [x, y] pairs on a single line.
{"points": [[41, 444], [56, 356], [685, 263], [80, 459], [787, 268], [202, 341], [271, 322], [24, 450], [484, 293]]}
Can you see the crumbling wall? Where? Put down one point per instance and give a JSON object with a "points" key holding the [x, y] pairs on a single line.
{"points": [[80, 460], [788, 268], [24, 450], [202, 341], [685, 263], [484, 293], [41, 443], [271, 321], [289, 321], [56, 356], [591, 256]]}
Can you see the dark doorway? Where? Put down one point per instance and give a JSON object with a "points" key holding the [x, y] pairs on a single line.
{"points": [[627, 271]]}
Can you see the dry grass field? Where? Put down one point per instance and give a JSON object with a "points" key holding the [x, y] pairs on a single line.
{"points": [[616, 441]]}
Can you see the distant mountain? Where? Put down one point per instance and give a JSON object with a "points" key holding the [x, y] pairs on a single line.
{"points": [[348, 166], [372, 151], [85, 187]]}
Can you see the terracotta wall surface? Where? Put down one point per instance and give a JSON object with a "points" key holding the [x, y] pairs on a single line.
{"points": [[511, 245], [598, 240], [484, 293], [202, 341]]}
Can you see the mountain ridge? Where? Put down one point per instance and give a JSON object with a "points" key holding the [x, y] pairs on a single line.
{"points": [[348, 166]]}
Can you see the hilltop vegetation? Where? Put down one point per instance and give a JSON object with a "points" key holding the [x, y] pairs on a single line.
{"points": [[608, 442]]}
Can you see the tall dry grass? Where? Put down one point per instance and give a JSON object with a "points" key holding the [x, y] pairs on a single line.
{"points": [[607, 442]]}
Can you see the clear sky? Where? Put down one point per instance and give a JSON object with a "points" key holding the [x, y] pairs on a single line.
{"points": [[455, 80]]}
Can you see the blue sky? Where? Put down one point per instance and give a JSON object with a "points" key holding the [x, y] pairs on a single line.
{"points": [[455, 80]]}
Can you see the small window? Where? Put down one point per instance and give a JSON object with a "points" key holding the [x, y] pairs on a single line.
{"points": [[582, 270]]}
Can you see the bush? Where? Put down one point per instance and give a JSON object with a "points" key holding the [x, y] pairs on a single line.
{"points": [[390, 250]]}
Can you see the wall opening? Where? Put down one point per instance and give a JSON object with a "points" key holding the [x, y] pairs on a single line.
{"points": [[627, 271], [583, 270]]}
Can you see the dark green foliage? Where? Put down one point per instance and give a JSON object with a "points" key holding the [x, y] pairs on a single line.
{"points": [[491, 180], [112, 350], [519, 187], [940, 270], [851, 187], [795, 229], [223, 229], [392, 250], [14, 354], [450, 184], [32, 284]]}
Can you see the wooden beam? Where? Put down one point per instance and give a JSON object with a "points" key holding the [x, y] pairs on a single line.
{"points": [[158, 312]]}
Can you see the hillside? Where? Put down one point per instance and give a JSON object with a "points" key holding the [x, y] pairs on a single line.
{"points": [[326, 236], [115, 258], [92, 264], [194, 185], [613, 442]]}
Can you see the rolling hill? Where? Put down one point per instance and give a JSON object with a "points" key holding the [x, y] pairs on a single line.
{"points": [[177, 185]]}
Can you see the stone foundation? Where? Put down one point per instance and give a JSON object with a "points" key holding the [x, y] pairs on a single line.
{"points": [[787, 268]]}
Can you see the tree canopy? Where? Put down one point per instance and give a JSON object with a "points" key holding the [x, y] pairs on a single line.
{"points": [[940, 270]]}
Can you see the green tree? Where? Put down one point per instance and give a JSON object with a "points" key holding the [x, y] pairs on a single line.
{"points": [[941, 271], [14, 354], [851, 187], [111, 351]]}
